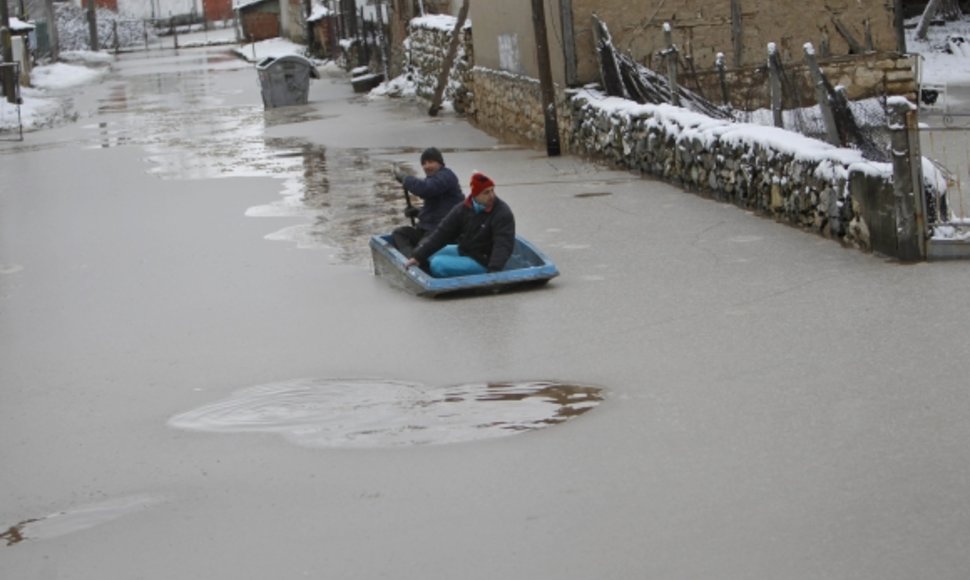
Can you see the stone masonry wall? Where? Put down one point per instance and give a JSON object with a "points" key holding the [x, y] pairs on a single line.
{"points": [[425, 51], [772, 175]]}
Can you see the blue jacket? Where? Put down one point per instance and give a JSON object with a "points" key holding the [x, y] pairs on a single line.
{"points": [[487, 237], [440, 193]]}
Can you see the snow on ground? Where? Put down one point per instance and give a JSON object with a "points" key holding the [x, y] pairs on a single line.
{"points": [[945, 54]]}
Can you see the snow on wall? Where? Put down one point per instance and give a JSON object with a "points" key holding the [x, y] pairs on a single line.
{"points": [[800, 180]]}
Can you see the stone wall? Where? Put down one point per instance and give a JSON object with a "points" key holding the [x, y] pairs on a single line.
{"points": [[774, 172], [425, 51], [510, 106]]}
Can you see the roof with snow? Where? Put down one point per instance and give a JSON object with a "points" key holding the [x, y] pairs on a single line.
{"points": [[319, 11], [240, 4], [18, 25]]}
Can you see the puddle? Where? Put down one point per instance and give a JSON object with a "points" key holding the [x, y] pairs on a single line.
{"points": [[332, 413], [76, 519]]}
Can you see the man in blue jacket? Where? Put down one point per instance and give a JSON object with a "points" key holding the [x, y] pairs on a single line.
{"points": [[475, 237], [439, 190]]}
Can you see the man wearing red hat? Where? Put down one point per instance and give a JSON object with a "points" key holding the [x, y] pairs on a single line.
{"points": [[475, 237]]}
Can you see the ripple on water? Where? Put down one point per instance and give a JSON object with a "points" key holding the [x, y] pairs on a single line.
{"points": [[77, 519], [377, 413]]}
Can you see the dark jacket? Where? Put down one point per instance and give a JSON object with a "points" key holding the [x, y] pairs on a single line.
{"points": [[487, 237], [440, 193]]}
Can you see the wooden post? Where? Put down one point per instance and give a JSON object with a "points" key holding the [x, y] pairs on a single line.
{"points": [[5, 47], [774, 79], [907, 180], [545, 79], [439, 90], [822, 95], [721, 77], [898, 25], [568, 41], [382, 40], [608, 65], [670, 55]]}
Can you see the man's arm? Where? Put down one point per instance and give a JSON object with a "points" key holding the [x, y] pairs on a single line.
{"points": [[447, 232], [438, 184]]}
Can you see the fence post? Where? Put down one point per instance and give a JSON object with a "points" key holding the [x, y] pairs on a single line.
{"points": [[721, 77], [670, 55], [822, 95], [774, 80], [907, 180]]}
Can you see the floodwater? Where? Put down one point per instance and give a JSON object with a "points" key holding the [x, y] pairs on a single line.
{"points": [[362, 413], [200, 376]]}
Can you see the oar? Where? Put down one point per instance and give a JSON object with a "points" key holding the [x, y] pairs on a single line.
{"points": [[407, 200]]}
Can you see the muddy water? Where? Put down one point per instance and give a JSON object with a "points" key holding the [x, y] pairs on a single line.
{"points": [[375, 413]]}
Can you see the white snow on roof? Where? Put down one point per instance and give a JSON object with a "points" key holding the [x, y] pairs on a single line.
{"points": [[18, 25], [318, 12], [239, 4]]}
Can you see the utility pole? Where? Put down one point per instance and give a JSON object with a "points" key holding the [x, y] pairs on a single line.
{"points": [[92, 25], [5, 24], [545, 79]]}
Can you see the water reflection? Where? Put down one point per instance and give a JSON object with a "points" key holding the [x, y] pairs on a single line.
{"points": [[376, 413]]}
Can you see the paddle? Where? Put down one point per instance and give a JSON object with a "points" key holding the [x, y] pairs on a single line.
{"points": [[407, 200]]}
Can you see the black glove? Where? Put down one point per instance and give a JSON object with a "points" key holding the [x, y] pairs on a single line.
{"points": [[411, 212], [399, 175]]}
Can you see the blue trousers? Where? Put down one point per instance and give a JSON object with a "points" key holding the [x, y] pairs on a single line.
{"points": [[446, 263]]}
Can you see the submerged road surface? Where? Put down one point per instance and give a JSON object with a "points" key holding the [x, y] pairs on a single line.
{"points": [[201, 378]]}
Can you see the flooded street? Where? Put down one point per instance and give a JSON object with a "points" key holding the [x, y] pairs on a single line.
{"points": [[200, 376]]}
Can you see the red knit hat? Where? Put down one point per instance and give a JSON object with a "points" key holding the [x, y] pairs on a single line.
{"points": [[480, 182]]}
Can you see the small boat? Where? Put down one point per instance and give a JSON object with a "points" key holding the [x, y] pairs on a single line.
{"points": [[526, 267]]}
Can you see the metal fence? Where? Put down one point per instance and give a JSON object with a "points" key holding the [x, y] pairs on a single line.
{"points": [[945, 139]]}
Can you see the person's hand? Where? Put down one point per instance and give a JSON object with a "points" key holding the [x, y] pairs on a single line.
{"points": [[399, 175], [411, 212], [410, 262]]}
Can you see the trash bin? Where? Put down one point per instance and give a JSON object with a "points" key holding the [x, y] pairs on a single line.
{"points": [[285, 80]]}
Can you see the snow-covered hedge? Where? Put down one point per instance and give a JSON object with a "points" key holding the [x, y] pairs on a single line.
{"points": [[125, 31]]}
